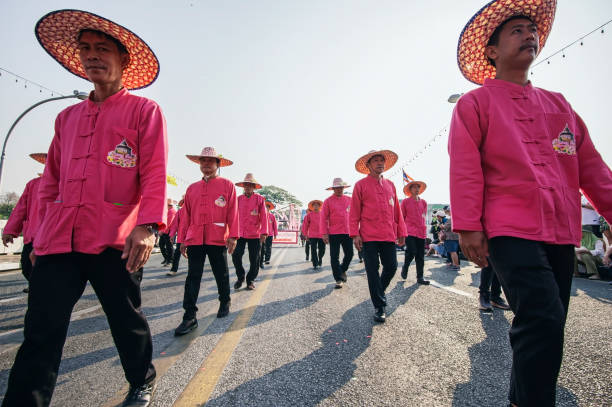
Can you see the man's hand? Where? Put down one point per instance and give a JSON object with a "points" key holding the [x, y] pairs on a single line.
{"points": [[230, 244], [357, 242], [262, 238], [475, 247], [401, 240], [138, 247], [184, 250], [32, 258], [326, 238], [6, 239]]}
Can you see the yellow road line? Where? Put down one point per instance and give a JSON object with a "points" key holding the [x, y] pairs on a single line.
{"points": [[198, 390]]}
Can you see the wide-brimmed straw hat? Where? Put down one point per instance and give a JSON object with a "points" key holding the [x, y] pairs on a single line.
{"points": [[249, 179], [473, 40], [411, 183], [338, 183], [40, 157], [390, 160], [210, 152], [270, 205], [57, 32], [311, 204]]}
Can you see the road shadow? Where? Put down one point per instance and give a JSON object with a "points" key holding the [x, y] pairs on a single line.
{"points": [[596, 289]]}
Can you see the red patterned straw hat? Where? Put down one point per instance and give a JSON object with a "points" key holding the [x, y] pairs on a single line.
{"points": [[270, 205], [408, 185], [338, 183], [210, 152], [311, 204], [40, 157], [57, 32], [390, 160], [473, 40], [249, 179]]}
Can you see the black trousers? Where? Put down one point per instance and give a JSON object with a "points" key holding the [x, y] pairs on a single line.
{"points": [[254, 246], [317, 250], [176, 258], [335, 241], [166, 247], [536, 278], [489, 283], [26, 264], [268, 248], [378, 283], [196, 255], [307, 248], [415, 249], [56, 285]]}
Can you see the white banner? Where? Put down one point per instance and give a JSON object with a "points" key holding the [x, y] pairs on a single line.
{"points": [[286, 237]]}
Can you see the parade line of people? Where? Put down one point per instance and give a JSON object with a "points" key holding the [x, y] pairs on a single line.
{"points": [[518, 159]]}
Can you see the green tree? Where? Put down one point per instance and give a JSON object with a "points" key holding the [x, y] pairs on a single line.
{"points": [[8, 201], [278, 196]]}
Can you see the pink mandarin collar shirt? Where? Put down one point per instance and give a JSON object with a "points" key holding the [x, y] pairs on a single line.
{"points": [[312, 225], [170, 219], [415, 212], [519, 156], [335, 215], [173, 227], [253, 216], [272, 225], [24, 216], [375, 213], [105, 174], [210, 213]]}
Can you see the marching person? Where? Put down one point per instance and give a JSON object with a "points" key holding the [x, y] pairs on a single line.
{"points": [[253, 231], [414, 209], [266, 247], [518, 155], [335, 229], [173, 228], [208, 227], [101, 197], [376, 224], [305, 241], [24, 220], [165, 242], [312, 228]]}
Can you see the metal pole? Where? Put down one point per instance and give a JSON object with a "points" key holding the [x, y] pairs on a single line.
{"points": [[76, 94]]}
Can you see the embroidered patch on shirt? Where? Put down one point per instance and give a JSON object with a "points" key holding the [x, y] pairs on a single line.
{"points": [[220, 202], [122, 155], [565, 143], [254, 212], [391, 201], [348, 208]]}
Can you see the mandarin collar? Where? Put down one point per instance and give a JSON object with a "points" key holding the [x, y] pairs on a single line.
{"points": [[109, 100], [511, 86]]}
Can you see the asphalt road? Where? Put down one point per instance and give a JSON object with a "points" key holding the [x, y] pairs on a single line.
{"points": [[295, 341]]}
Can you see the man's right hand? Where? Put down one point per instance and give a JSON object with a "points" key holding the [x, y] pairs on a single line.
{"points": [[6, 239], [357, 242], [32, 258], [475, 247], [326, 239], [184, 250]]}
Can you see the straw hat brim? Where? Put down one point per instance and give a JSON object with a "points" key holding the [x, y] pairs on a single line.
{"points": [[39, 157], [242, 184], [311, 204], [57, 32], [338, 186], [270, 205], [390, 160], [223, 162], [407, 187], [473, 40]]}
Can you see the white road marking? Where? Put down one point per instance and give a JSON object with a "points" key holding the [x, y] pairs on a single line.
{"points": [[12, 299], [451, 289]]}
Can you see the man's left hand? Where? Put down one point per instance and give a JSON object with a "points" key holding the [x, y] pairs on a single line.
{"points": [[262, 238], [401, 240], [230, 244], [138, 247]]}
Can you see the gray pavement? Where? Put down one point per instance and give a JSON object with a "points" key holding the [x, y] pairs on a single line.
{"points": [[306, 344]]}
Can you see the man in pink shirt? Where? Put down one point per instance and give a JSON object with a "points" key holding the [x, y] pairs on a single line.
{"points": [[165, 244], [173, 232], [376, 224], [312, 230], [23, 219], [414, 210], [266, 247], [208, 227], [102, 196], [518, 159], [335, 230], [253, 231]]}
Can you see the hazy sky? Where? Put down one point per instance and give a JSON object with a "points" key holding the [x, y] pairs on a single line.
{"points": [[296, 91]]}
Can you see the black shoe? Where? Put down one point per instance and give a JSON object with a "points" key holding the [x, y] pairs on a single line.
{"points": [[139, 396], [499, 303], [267, 261], [484, 304], [237, 284], [250, 286], [224, 309], [163, 263], [261, 266], [339, 284], [186, 326], [26, 290], [306, 258], [320, 263], [379, 315], [404, 273], [360, 260], [423, 281]]}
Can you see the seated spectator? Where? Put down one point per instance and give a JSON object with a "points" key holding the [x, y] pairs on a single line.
{"points": [[590, 218], [590, 254]]}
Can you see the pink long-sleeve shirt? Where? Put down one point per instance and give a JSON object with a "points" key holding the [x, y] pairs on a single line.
{"points": [[24, 216], [170, 218], [210, 213], [312, 225], [105, 174], [375, 213], [272, 225], [335, 215], [253, 216], [415, 212], [519, 156], [174, 225]]}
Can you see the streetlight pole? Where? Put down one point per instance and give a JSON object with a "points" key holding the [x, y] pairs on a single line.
{"points": [[75, 94]]}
